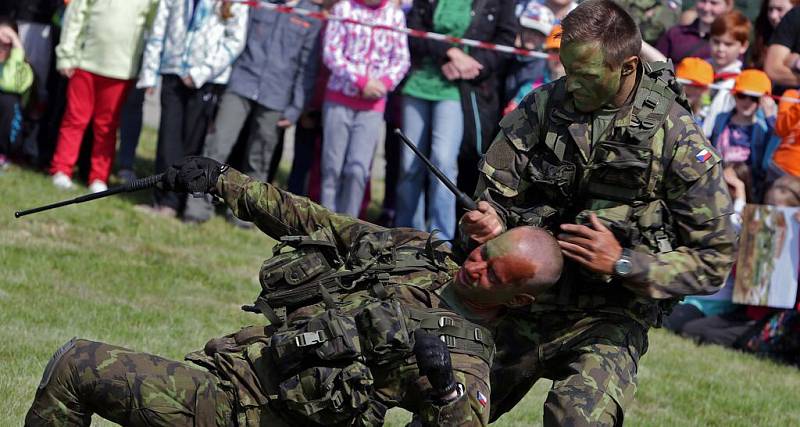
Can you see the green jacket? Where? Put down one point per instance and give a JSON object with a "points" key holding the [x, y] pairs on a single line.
{"points": [[16, 75], [655, 181], [105, 37]]}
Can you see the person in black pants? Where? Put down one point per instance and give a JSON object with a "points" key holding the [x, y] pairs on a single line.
{"points": [[185, 115]]}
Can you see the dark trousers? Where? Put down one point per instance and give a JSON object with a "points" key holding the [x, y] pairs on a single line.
{"points": [[185, 115], [130, 128], [680, 316], [725, 329], [10, 121]]}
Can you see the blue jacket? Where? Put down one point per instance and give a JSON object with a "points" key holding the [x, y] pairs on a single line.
{"points": [[763, 142], [279, 63]]}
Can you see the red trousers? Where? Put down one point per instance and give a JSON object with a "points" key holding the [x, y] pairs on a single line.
{"points": [[88, 96]]}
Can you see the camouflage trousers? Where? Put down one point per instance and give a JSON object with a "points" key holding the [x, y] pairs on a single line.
{"points": [[591, 358], [128, 388], [140, 389]]}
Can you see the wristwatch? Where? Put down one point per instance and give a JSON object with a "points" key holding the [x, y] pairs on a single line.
{"points": [[623, 266]]}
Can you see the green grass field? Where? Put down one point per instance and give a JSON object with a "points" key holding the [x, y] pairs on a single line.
{"points": [[106, 271]]}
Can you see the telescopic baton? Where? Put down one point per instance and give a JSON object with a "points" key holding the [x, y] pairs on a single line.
{"points": [[462, 198], [135, 185]]}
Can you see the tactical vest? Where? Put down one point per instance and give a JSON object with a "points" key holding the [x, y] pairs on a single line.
{"points": [[313, 363], [621, 182]]}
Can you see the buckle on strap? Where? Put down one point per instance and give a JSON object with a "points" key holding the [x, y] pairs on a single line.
{"points": [[449, 340], [663, 242], [478, 335], [310, 338], [446, 321]]}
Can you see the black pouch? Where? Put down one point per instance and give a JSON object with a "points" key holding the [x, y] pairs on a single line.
{"points": [[330, 336], [328, 395], [385, 335], [618, 171]]}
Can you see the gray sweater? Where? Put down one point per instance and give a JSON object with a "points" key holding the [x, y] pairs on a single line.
{"points": [[279, 63]]}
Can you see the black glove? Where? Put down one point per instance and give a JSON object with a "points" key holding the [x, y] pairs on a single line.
{"points": [[433, 361], [193, 174]]}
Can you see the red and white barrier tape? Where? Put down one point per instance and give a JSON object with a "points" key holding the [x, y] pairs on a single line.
{"points": [[281, 8]]}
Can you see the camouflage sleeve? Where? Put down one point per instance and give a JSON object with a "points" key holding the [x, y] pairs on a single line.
{"points": [[499, 181], [697, 199], [280, 213]]}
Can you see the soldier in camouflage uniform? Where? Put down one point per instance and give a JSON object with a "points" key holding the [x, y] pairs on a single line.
{"points": [[382, 342], [609, 160], [654, 17]]}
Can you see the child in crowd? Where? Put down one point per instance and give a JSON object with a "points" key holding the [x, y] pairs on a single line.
{"points": [[366, 64], [16, 79], [526, 72], [729, 41], [270, 84], [100, 48], [787, 127], [744, 134], [191, 46], [731, 328], [696, 75], [692, 308]]}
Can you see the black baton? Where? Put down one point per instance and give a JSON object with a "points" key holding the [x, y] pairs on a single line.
{"points": [[461, 198], [135, 185]]}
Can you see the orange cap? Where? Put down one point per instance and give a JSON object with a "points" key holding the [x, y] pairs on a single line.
{"points": [[696, 70], [553, 40], [753, 82]]}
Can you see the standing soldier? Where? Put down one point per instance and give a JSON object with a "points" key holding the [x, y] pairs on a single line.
{"points": [[364, 324], [610, 161], [654, 17]]}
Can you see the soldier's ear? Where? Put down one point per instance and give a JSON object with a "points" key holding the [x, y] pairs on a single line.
{"points": [[520, 300], [629, 65]]}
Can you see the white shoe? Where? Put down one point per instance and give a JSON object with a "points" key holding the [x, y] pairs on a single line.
{"points": [[62, 181], [97, 186]]}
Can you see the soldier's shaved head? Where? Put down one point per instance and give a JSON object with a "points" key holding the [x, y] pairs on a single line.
{"points": [[511, 269]]}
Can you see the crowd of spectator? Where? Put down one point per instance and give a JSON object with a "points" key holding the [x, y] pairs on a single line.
{"points": [[234, 78]]}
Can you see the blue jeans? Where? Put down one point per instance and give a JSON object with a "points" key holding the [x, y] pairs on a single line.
{"points": [[437, 128]]}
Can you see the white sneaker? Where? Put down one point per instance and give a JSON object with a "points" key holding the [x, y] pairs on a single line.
{"points": [[97, 186], [62, 181]]}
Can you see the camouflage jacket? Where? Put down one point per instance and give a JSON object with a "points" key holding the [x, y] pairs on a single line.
{"points": [[654, 17], [655, 181], [377, 330]]}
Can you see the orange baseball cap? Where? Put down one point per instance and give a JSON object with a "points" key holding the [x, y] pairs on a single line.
{"points": [[753, 82], [553, 40], [698, 71]]}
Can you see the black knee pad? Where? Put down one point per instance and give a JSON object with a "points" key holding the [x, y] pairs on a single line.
{"points": [[48, 370]]}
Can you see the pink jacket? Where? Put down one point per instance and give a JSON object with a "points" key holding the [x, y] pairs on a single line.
{"points": [[356, 53]]}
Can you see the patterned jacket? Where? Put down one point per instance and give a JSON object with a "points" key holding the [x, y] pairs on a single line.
{"points": [[356, 53], [193, 42], [655, 181]]}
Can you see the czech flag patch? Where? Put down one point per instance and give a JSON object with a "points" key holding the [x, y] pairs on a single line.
{"points": [[703, 155], [482, 399]]}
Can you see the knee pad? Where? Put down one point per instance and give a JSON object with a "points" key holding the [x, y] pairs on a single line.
{"points": [[48, 370]]}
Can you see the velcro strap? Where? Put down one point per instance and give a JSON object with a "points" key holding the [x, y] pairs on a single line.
{"points": [[459, 334]]}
